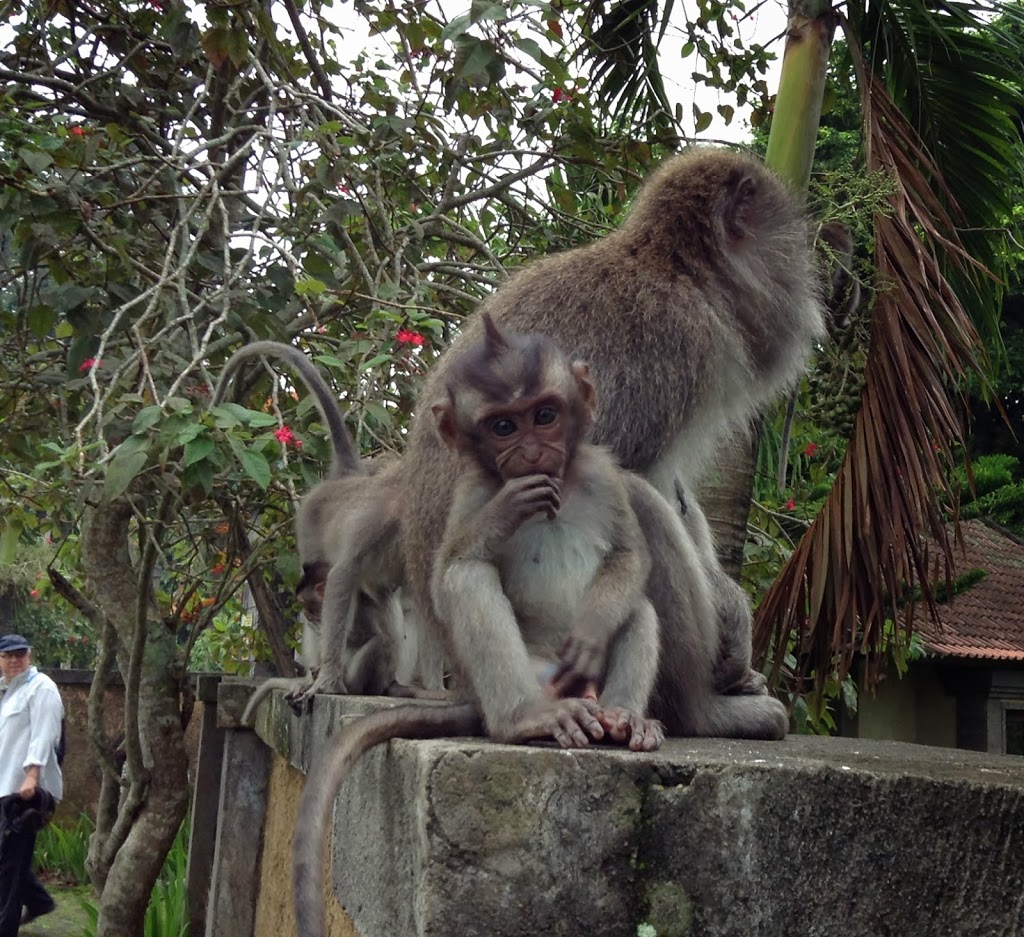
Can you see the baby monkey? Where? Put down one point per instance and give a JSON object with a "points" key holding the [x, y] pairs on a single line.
{"points": [[541, 538]]}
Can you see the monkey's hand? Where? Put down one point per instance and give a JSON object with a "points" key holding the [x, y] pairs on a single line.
{"points": [[325, 682], [624, 725], [573, 723], [521, 498], [583, 658]]}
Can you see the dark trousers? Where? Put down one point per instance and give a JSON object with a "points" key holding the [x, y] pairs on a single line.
{"points": [[19, 887]]}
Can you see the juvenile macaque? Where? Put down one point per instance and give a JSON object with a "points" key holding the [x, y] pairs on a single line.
{"points": [[541, 553], [346, 532]]}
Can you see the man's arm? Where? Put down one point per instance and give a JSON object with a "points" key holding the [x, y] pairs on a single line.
{"points": [[45, 713]]}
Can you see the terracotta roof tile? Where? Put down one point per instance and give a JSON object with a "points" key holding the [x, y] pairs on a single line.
{"points": [[987, 620]]}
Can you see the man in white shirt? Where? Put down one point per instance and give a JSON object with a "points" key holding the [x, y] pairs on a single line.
{"points": [[30, 780]]}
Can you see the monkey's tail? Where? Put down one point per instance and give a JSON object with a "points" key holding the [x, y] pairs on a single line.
{"points": [[274, 683], [345, 460], [336, 760]]}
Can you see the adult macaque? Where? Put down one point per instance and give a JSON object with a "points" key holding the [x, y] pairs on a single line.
{"points": [[347, 536], [695, 314]]}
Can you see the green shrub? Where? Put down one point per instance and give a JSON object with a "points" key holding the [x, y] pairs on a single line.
{"points": [[61, 851]]}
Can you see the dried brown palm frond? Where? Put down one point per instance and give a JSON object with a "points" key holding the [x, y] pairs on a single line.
{"points": [[869, 546]]}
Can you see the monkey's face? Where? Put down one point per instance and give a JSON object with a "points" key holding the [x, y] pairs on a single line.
{"points": [[311, 597], [528, 437]]}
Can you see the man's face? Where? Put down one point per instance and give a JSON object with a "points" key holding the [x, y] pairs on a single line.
{"points": [[14, 662]]}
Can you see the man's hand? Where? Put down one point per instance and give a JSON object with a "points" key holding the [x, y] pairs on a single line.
{"points": [[31, 783]]}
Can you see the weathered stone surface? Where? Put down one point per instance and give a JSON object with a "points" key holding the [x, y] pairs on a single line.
{"points": [[706, 837]]}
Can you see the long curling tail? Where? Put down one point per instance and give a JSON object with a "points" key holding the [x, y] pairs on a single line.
{"points": [[326, 776], [345, 460]]}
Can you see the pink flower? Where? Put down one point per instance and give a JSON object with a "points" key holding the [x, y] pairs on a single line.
{"points": [[90, 363], [286, 437], [559, 95], [790, 504], [408, 337], [34, 593], [812, 447]]}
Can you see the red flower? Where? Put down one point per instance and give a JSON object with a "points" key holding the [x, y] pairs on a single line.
{"points": [[218, 569], [560, 95], [89, 364], [790, 504], [812, 447], [408, 337], [284, 435], [34, 593], [77, 131]]}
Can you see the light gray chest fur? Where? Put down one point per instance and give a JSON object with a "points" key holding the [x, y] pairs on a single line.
{"points": [[546, 569]]}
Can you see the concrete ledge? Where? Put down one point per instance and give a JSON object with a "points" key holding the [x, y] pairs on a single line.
{"points": [[799, 838]]}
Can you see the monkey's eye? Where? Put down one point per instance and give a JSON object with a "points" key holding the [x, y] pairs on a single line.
{"points": [[545, 416], [503, 427]]}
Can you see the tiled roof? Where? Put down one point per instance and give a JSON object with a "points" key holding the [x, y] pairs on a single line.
{"points": [[986, 620]]}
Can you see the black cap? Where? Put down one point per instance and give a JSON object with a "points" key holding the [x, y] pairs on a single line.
{"points": [[13, 642]]}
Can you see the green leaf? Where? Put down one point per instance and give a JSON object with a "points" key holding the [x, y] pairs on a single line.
{"points": [[145, 418], [197, 450], [40, 320], [374, 361], [238, 46], [456, 27], [310, 285], [488, 10], [129, 459], [259, 419], [255, 465], [36, 160], [189, 433], [9, 542]]}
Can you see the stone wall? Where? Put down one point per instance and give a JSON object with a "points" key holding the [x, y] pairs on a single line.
{"points": [[809, 836]]}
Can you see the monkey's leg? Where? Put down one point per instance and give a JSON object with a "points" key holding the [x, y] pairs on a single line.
{"points": [[341, 598], [632, 670], [487, 643], [685, 697]]}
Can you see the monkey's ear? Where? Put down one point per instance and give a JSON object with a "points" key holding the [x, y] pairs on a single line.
{"points": [[319, 588], [444, 420], [494, 340], [741, 208], [588, 395]]}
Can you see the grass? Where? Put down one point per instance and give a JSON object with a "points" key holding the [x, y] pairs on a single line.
{"points": [[60, 855]]}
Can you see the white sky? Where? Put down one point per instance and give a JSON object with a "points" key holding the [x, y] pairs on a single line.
{"points": [[766, 25]]}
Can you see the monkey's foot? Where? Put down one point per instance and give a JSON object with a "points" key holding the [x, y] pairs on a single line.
{"points": [[746, 683], [624, 725], [324, 683], [572, 723]]}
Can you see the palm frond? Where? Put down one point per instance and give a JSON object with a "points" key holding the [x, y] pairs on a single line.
{"points": [[874, 538], [620, 47]]}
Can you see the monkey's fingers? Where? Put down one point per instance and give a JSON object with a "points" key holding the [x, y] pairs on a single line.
{"points": [[570, 722], [639, 733]]}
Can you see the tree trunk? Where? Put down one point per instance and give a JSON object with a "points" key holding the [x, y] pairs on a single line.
{"points": [[154, 803]]}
